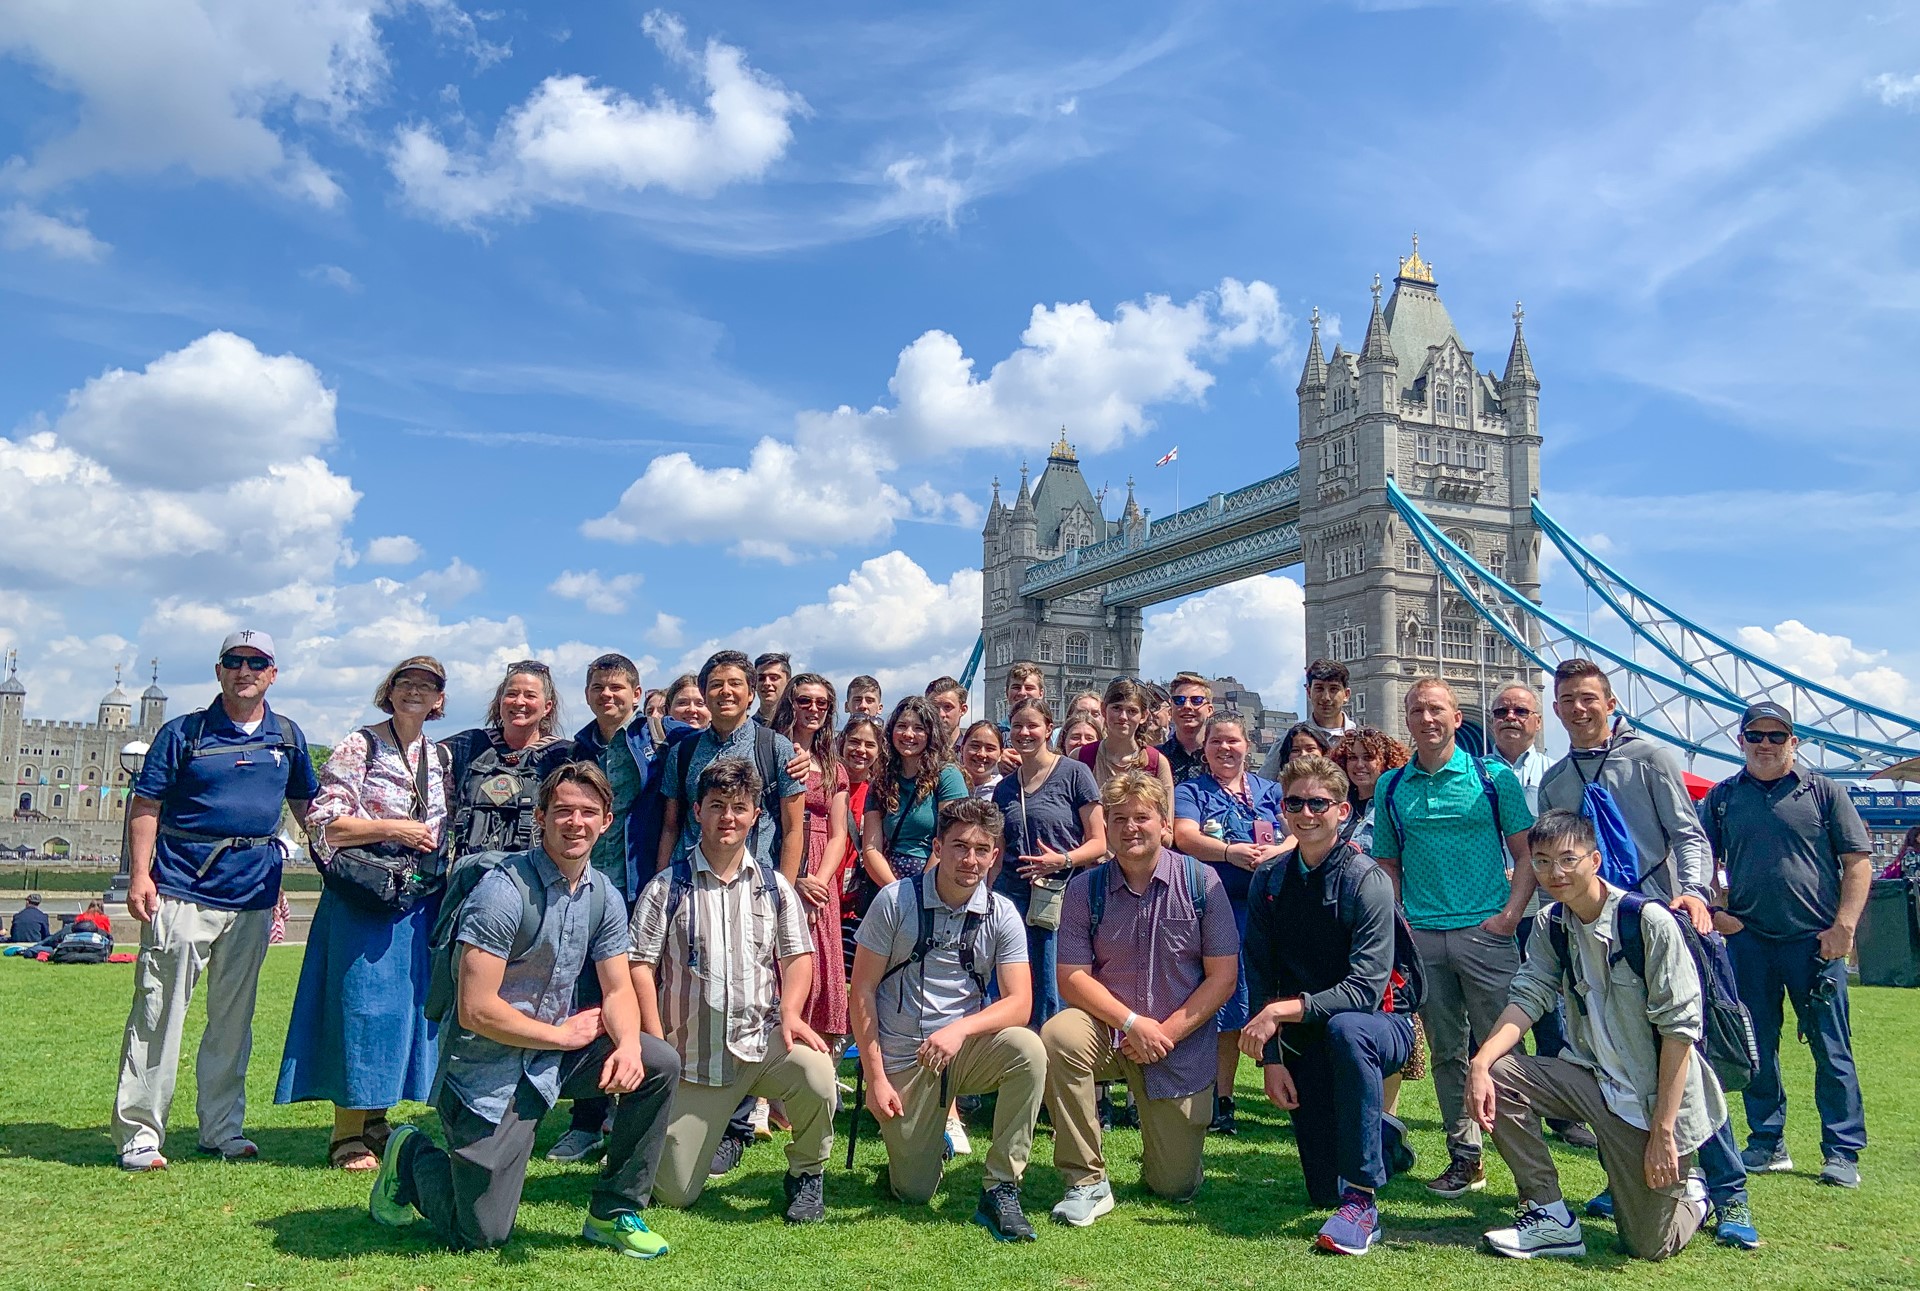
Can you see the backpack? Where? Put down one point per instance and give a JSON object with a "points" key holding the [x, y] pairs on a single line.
{"points": [[766, 761], [1407, 982], [275, 734], [1727, 1040], [923, 938], [1097, 893], [647, 818], [680, 887], [496, 803], [1619, 854], [1487, 787], [82, 946], [443, 947]]}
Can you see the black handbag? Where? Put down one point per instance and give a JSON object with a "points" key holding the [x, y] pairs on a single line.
{"points": [[388, 877]]}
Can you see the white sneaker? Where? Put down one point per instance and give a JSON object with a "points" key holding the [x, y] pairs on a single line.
{"points": [[1084, 1203], [957, 1136], [1539, 1230], [761, 1130]]}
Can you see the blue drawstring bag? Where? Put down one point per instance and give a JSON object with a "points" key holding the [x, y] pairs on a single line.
{"points": [[1619, 856]]}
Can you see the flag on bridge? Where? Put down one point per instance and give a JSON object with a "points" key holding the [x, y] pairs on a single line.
{"points": [[1173, 454]]}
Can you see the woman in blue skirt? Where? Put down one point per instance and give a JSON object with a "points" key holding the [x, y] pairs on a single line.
{"points": [[358, 1037]]}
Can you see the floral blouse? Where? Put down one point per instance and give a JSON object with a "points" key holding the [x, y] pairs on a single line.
{"points": [[376, 788]]}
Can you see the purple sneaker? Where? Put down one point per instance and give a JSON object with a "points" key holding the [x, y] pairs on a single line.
{"points": [[1354, 1228]]}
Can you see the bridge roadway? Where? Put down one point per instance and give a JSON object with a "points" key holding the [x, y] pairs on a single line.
{"points": [[1230, 536]]}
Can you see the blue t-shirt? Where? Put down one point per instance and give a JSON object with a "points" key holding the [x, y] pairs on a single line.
{"points": [[710, 747], [1049, 820], [912, 824], [1230, 819], [224, 784]]}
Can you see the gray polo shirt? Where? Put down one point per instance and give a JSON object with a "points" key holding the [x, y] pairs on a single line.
{"points": [[484, 1074], [1781, 845], [917, 1001]]}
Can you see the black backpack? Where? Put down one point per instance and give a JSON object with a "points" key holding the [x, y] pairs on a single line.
{"points": [[494, 812], [766, 761], [442, 947], [1097, 893], [1727, 1041], [82, 946], [923, 937], [680, 887], [1407, 983]]}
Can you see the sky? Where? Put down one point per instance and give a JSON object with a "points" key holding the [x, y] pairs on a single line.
{"points": [[397, 326]]}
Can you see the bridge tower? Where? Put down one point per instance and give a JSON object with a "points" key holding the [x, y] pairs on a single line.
{"points": [[1465, 446], [1078, 643]]}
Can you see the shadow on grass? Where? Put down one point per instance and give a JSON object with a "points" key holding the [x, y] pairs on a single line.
{"points": [[93, 1145], [346, 1232]]}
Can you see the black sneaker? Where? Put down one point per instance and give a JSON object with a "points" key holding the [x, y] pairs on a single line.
{"points": [[806, 1198], [1104, 1106], [727, 1155], [1574, 1135], [1223, 1119], [1399, 1153], [1126, 1116], [1000, 1214], [1463, 1175]]}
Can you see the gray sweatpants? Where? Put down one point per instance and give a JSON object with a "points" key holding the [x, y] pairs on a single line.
{"points": [[1469, 973]]}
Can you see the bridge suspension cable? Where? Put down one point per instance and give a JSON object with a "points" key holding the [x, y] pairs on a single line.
{"points": [[1670, 700]]}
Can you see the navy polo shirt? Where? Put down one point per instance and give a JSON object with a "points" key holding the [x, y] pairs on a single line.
{"points": [[232, 788], [1781, 842]]}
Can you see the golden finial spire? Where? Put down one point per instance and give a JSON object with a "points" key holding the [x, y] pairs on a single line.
{"points": [[1413, 268], [1063, 450]]}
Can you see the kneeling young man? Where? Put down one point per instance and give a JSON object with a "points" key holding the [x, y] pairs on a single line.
{"points": [[513, 1047], [1148, 952], [1629, 1070], [926, 951], [722, 962], [1320, 953]]}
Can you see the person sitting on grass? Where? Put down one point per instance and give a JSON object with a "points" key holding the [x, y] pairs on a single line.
{"points": [[1142, 984], [1334, 1021], [723, 962], [514, 1046], [927, 1033], [1629, 1069]]}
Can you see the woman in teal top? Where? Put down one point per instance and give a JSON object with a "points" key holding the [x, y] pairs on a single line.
{"points": [[903, 808]]}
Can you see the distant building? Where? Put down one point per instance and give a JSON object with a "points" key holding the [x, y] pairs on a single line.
{"points": [[66, 793], [1264, 725]]}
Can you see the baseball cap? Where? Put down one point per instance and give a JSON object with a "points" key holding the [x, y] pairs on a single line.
{"points": [[1766, 708], [250, 639]]}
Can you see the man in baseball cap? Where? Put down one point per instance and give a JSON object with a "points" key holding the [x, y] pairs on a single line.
{"points": [[249, 639]]}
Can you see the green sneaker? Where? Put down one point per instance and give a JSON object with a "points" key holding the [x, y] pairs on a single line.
{"points": [[384, 1203], [626, 1233]]}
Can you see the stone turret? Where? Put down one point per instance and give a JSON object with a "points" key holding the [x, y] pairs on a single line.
{"points": [[153, 703], [116, 709]]}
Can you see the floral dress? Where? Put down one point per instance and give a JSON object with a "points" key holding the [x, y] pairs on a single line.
{"points": [[827, 998]]}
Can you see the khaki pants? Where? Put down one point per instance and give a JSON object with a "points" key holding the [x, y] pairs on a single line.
{"points": [[1653, 1224], [1012, 1062], [801, 1078], [183, 941], [1080, 1054]]}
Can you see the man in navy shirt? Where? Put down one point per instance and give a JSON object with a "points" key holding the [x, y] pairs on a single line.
{"points": [[206, 876]]}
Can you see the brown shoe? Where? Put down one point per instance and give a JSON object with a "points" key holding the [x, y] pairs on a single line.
{"points": [[1464, 1174]]}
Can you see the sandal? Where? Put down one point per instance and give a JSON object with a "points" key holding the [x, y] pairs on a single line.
{"points": [[352, 1153], [376, 1132]]}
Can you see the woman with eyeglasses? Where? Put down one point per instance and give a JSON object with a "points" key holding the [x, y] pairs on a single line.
{"points": [[358, 1037], [1365, 754], [805, 714], [1122, 748], [497, 768], [981, 748], [686, 702], [1230, 818], [904, 809]]}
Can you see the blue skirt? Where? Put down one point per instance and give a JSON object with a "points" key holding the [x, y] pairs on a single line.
{"points": [[359, 1037], [1239, 1006]]}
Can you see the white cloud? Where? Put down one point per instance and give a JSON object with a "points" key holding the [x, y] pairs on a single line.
{"points": [[889, 618], [595, 591], [573, 141], [1832, 661], [830, 484], [456, 582], [334, 276], [215, 411], [395, 549], [1897, 91], [24, 229], [668, 632], [1254, 630]]}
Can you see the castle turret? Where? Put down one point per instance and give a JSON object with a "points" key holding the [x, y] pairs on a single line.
{"points": [[153, 703], [1312, 389], [1379, 367], [116, 709]]}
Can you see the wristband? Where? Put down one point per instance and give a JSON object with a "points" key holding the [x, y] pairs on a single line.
{"points": [[1127, 1026]]}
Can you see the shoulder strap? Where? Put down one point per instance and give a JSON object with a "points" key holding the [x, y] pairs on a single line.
{"points": [[1196, 886], [1097, 878], [765, 761], [532, 905], [1633, 936], [684, 752], [1387, 791], [923, 929], [195, 730], [1492, 791]]}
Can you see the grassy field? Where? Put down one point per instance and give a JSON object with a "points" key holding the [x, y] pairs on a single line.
{"points": [[285, 1221]]}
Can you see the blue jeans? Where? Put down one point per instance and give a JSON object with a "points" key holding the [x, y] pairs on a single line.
{"points": [[1764, 968], [1337, 1126], [1042, 958], [1719, 1160]]}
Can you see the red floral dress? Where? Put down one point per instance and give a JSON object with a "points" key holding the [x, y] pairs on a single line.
{"points": [[827, 999]]}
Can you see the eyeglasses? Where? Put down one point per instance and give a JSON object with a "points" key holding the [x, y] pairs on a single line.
{"points": [[1511, 710], [252, 662], [1192, 701], [415, 683], [1312, 806], [1566, 864], [1766, 737]]}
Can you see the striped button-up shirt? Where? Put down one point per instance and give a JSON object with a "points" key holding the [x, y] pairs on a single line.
{"points": [[716, 962]]}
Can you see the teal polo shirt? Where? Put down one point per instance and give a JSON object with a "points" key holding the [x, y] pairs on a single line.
{"points": [[1453, 859]]}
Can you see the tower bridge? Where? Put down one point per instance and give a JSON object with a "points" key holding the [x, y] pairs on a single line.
{"points": [[1413, 513]]}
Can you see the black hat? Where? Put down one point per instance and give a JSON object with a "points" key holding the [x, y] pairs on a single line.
{"points": [[1766, 708]]}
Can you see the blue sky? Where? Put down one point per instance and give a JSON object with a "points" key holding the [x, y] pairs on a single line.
{"points": [[400, 326]]}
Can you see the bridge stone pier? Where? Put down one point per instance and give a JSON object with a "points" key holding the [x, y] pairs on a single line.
{"points": [[1064, 585]]}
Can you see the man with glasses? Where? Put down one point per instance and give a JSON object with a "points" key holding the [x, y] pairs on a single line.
{"points": [[1185, 745], [1630, 1068], [202, 824], [1795, 854], [1333, 1023]]}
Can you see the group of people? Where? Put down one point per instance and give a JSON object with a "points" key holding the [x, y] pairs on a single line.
{"points": [[681, 917]]}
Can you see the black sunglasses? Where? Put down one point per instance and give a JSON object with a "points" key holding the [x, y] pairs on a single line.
{"points": [[1195, 701], [255, 662], [1510, 710], [1312, 806], [1766, 737]]}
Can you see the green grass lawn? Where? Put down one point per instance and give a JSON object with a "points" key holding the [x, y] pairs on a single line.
{"points": [[285, 1221]]}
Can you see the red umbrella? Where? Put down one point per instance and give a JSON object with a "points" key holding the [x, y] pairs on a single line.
{"points": [[1697, 786]]}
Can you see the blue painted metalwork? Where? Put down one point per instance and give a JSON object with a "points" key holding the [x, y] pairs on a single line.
{"points": [[972, 670], [1676, 709], [1226, 562]]}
